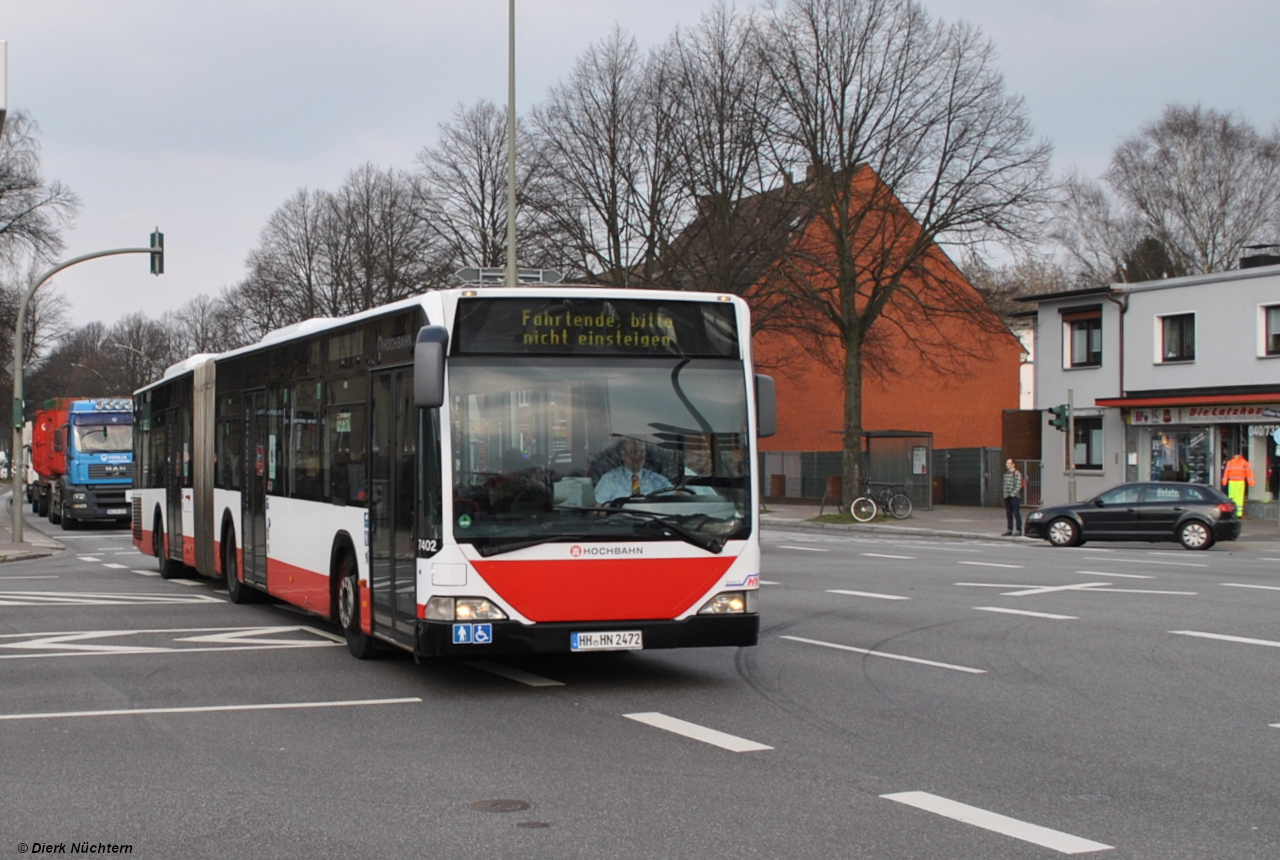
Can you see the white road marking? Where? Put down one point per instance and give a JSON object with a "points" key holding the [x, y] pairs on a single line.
{"points": [[88, 558], [769, 582], [995, 585], [697, 732], [866, 594], [60, 598], [1056, 840], [283, 706], [1047, 589], [105, 549], [1269, 559], [1225, 638], [1242, 585], [515, 674], [1117, 575], [883, 654], [1025, 612], [127, 552], [883, 555], [85, 643], [46, 576], [192, 582], [116, 566], [803, 548], [147, 572], [990, 564], [1148, 561]]}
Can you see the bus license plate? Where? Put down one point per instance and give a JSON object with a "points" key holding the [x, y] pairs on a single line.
{"points": [[607, 640], [117, 512]]}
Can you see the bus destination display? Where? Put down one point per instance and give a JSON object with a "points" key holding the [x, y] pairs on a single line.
{"points": [[561, 326]]}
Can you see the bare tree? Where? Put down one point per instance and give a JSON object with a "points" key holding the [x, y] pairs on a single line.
{"points": [[911, 140], [724, 113], [605, 143], [33, 211], [1203, 183], [463, 188], [290, 257]]}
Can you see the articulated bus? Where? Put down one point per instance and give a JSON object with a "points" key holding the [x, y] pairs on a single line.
{"points": [[474, 471]]}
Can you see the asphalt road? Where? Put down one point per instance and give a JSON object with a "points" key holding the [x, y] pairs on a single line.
{"points": [[909, 699]]}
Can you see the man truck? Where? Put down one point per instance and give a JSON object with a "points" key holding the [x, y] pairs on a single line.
{"points": [[82, 454]]}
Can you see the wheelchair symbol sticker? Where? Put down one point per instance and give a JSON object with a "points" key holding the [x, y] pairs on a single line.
{"points": [[482, 634]]}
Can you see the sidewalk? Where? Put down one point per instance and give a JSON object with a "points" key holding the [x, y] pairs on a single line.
{"points": [[35, 529], [962, 521]]}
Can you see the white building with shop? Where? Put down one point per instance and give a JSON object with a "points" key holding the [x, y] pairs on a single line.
{"points": [[1169, 380]]}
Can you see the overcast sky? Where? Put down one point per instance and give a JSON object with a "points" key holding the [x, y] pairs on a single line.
{"points": [[202, 118]]}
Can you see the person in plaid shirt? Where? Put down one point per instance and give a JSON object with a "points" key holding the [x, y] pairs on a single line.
{"points": [[1012, 493]]}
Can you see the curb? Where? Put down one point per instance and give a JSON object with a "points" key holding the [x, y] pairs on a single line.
{"points": [[872, 528], [913, 531], [25, 555]]}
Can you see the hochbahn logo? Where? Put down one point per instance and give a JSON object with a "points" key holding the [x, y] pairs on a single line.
{"points": [[579, 551]]}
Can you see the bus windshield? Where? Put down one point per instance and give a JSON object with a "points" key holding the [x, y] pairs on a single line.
{"points": [[608, 448], [104, 438]]}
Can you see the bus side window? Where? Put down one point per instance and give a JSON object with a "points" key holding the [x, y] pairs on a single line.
{"points": [[347, 440]]}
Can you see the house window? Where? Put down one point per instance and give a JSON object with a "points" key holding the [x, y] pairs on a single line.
{"points": [[1084, 340], [1178, 337], [1088, 443], [1271, 323]]}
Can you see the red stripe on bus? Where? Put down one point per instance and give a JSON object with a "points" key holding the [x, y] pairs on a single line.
{"points": [[298, 586], [602, 590], [188, 551]]}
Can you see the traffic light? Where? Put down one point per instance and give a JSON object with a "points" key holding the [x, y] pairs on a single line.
{"points": [[1059, 417], [157, 252]]}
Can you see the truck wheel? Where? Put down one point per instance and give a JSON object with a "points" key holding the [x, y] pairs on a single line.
{"points": [[68, 524], [42, 505], [55, 514]]}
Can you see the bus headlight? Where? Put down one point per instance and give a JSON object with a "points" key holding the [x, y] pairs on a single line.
{"points": [[463, 609], [728, 602]]}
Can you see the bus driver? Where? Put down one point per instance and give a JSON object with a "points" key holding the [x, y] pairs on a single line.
{"points": [[631, 478]]}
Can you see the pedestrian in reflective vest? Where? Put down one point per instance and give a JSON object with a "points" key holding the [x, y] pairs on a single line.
{"points": [[1235, 476]]}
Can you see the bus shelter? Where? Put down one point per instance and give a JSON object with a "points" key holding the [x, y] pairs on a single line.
{"points": [[902, 458]]}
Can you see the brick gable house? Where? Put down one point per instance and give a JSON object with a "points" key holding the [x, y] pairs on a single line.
{"points": [[949, 370]]}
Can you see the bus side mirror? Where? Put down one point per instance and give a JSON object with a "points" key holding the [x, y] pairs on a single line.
{"points": [[57, 439], [428, 366], [766, 406]]}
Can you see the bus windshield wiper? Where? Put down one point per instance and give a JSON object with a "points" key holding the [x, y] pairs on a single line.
{"points": [[498, 549], [665, 521]]}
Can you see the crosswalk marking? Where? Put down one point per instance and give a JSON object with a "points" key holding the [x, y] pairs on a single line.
{"points": [[1063, 843], [697, 732]]}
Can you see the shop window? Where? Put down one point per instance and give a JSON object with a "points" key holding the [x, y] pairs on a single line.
{"points": [[1088, 443], [1084, 339], [1177, 337], [1180, 455]]}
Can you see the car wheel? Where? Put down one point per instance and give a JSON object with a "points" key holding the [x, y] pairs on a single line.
{"points": [[1195, 535], [1063, 532]]}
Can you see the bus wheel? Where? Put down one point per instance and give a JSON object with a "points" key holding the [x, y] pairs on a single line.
{"points": [[237, 591], [359, 643], [169, 569]]}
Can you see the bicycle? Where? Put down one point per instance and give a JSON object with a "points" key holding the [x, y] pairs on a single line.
{"points": [[888, 502]]}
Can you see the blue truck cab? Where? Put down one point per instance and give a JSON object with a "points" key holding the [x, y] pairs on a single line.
{"points": [[97, 442]]}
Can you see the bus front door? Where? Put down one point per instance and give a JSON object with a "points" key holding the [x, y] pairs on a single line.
{"points": [[392, 459], [253, 516]]}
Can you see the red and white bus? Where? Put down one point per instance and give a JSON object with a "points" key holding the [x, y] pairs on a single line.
{"points": [[474, 471]]}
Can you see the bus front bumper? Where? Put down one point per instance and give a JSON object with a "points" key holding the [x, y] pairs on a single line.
{"points": [[439, 638]]}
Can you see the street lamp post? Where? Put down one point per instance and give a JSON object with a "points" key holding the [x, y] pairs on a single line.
{"points": [[18, 465], [511, 144]]}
